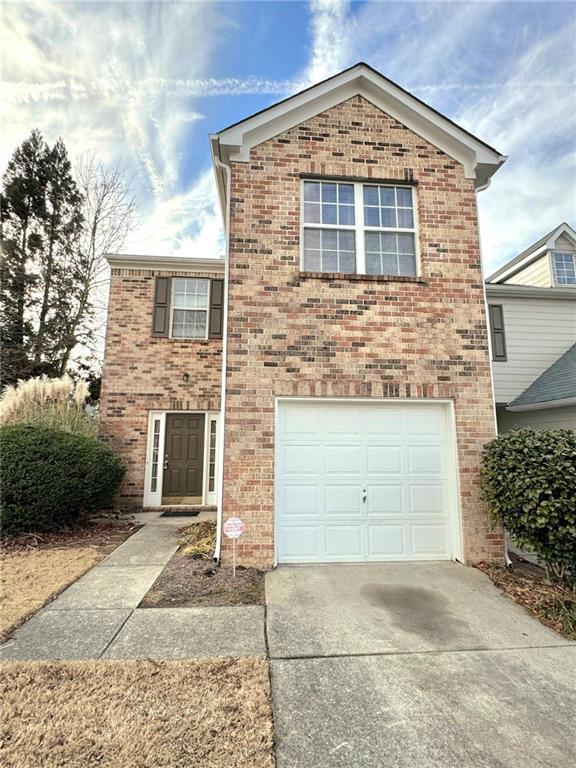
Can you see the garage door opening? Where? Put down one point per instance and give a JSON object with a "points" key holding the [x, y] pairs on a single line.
{"points": [[365, 481]]}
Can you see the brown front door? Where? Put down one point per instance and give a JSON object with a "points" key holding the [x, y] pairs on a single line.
{"points": [[183, 458]]}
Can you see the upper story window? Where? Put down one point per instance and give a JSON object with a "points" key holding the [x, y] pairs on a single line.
{"points": [[190, 308], [358, 228], [564, 268]]}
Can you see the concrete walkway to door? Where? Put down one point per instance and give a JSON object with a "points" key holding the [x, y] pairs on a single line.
{"points": [[98, 615], [414, 664]]}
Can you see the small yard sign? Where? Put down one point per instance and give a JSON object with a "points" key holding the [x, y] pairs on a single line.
{"points": [[233, 528]]}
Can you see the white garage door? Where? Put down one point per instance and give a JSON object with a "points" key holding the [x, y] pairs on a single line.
{"points": [[363, 482]]}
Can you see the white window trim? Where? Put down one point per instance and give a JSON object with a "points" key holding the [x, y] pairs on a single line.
{"points": [[155, 499], [359, 227], [172, 308], [554, 281]]}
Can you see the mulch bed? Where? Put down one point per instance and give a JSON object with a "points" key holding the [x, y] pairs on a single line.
{"points": [[103, 534], [528, 586], [186, 582]]}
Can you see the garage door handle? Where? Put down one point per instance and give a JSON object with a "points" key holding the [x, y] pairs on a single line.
{"points": [[364, 497]]}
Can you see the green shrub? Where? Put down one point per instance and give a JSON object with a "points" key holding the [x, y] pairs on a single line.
{"points": [[529, 483], [49, 477]]}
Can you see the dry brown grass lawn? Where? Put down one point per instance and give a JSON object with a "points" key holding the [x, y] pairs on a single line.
{"points": [[29, 579], [136, 714]]}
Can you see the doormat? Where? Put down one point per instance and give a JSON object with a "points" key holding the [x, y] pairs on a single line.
{"points": [[180, 513]]}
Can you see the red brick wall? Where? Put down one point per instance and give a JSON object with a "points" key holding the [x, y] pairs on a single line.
{"points": [[313, 335], [142, 373]]}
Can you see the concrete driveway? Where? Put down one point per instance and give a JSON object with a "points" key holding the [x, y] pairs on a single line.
{"points": [[414, 664]]}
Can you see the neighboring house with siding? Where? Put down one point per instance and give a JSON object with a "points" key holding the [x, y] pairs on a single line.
{"points": [[532, 311], [329, 380]]}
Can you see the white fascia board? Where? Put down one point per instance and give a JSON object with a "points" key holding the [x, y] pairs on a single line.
{"points": [[503, 274], [237, 141], [164, 263], [517, 291], [518, 266], [219, 175], [567, 401]]}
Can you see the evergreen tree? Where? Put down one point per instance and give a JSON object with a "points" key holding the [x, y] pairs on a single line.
{"points": [[41, 225], [22, 211]]}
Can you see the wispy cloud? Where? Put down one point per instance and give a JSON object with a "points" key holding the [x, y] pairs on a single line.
{"points": [[514, 89], [135, 79], [331, 34]]}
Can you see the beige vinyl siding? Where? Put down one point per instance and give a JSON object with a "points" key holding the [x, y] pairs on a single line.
{"points": [[565, 245], [537, 332], [548, 418], [537, 273]]}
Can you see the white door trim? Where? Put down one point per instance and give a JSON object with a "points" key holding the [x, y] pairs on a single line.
{"points": [[154, 498], [453, 472]]}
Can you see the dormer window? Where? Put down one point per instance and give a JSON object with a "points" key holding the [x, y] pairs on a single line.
{"points": [[355, 227], [564, 268]]}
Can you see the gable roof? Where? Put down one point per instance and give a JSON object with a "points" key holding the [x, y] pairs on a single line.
{"points": [[531, 253], [555, 387], [479, 159]]}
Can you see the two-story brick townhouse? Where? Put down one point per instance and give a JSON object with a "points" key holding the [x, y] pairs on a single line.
{"points": [[350, 312]]}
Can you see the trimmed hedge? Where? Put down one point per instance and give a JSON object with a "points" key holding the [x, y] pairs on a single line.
{"points": [[50, 477], [529, 483]]}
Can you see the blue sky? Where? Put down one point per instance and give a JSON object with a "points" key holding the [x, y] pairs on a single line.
{"points": [[144, 83]]}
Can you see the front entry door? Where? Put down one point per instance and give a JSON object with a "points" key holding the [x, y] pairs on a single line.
{"points": [[183, 458]]}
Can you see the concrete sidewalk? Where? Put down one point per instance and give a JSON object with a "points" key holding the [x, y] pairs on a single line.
{"points": [[98, 615]]}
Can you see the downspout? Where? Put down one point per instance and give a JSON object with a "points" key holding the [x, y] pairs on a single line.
{"points": [[489, 335], [222, 420]]}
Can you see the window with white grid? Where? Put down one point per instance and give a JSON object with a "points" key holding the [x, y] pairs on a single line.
{"points": [[353, 227], [564, 268], [190, 300]]}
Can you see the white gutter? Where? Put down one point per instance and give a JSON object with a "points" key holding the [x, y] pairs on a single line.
{"points": [[222, 420], [566, 401], [515, 290], [507, 560]]}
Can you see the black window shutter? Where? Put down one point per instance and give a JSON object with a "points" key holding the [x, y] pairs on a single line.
{"points": [[497, 331], [216, 309], [161, 317]]}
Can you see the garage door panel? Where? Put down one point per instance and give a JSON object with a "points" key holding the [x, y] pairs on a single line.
{"points": [[344, 541], [343, 500], [334, 420], [428, 539], [424, 422], [385, 499], [301, 500], [426, 499], [384, 459], [342, 459], [383, 422], [296, 421], [424, 459], [301, 542], [385, 541], [301, 459]]}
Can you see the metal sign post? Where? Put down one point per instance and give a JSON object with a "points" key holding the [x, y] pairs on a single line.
{"points": [[233, 528]]}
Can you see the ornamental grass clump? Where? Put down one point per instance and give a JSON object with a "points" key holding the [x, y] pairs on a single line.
{"points": [[54, 403], [528, 481]]}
